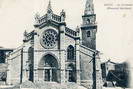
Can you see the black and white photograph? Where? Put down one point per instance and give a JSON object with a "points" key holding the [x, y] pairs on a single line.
{"points": [[66, 44]]}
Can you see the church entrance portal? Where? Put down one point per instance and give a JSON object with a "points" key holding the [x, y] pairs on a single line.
{"points": [[71, 73], [50, 68]]}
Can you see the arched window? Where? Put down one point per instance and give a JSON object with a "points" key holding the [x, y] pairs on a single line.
{"points": [[88, 20], [70, 52], [88, 33]]}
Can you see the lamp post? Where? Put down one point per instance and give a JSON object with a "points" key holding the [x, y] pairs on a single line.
{"points": [[94, 70]]}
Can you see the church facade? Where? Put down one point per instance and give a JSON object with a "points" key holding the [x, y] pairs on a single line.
{"points": [[53, 52]]}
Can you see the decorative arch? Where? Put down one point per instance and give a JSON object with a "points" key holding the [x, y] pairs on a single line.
{"points": [[49, 68], [48, 58], [71, 73], [70, 52], [48, 53]]}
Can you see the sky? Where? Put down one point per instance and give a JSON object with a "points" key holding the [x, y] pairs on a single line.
{"points": [[115, 27]]}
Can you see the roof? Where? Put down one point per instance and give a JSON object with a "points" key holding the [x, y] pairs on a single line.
{"points": [[6, 49], [109, 61], [71, 33]]}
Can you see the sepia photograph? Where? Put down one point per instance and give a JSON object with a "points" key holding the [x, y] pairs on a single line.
{"points": [[66, 44]]}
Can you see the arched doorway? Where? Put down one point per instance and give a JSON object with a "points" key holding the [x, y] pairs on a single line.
{"points": [[71, 73], [50, 68]]}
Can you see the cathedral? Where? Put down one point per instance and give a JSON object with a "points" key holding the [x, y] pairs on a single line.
{"points": [[53, 52]]}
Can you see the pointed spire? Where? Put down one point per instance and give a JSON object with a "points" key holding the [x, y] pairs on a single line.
{"points": [[25, 33], [37, 16], [25, 36], [89, 7], [49, 8], [78, 29], [63, 15]]}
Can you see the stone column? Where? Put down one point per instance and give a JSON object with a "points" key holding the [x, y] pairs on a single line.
{"points": [[36, 57], [78, 61], [43, 74], [25, 64], [67, 78], [62, 67], [35, 65], [8, 81], [62, 52], [35, 74], [99, 82], [51, 75]]}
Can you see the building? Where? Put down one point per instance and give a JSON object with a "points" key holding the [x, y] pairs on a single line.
{"points": [[3, 53], [53, 52], [106, 67], [115, 74], [3, 64], [123, 73]]}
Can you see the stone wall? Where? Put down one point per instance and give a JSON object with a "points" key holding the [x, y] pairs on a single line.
{"points": [[14, 67]]}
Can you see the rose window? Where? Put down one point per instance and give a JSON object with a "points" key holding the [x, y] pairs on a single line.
{"points": [[49, 38]]}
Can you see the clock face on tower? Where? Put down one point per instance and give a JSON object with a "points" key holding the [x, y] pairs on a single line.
{"points": [[49, 39]]}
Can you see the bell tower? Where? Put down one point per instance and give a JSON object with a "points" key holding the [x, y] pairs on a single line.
{"points": [[89, 27]]}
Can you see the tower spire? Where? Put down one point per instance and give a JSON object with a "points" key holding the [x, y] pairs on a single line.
{"points": [[89, 28], [49, 8], [89, 7]]}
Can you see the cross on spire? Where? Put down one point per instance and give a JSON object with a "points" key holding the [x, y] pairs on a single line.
{"points": [[89, 7], [49, 8]]}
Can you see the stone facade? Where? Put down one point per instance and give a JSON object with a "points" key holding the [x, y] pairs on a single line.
{"points": [[53, 52]]}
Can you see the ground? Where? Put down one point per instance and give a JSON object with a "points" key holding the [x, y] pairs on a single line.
{"points": [[45, 85], [115, 88]]}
